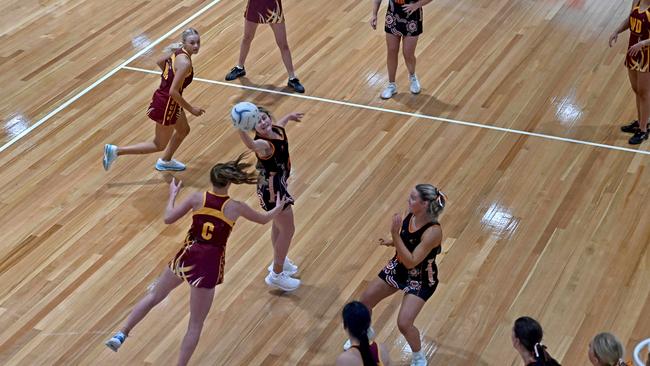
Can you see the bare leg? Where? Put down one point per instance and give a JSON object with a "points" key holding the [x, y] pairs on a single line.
{"points": [[643, 88], [392, 53], [280, 33], [200, 304], [164, 285], [247, 39], [633, 82], [376, 291], [161, 139], [408, 50], [411, 306], [181, 130], [284, 228]]}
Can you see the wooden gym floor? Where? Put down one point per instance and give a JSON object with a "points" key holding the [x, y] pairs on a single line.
{"points": [[517, 122]]}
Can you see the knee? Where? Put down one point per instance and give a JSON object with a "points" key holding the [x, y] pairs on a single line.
{"points": [[365, 300], [291, 229], [248, 38], [283, 46], [157, 297], [183, 131], [404, 325], [195, 325], [408, 56], [160, 146]]}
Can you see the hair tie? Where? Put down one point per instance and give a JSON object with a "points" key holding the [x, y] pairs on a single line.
{"points": [[535, 349], [439, 199]]}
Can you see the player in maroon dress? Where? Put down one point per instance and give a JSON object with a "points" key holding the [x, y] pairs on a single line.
{"points": [[265, 12], [167, 106], [637, 60], [200, 261]]}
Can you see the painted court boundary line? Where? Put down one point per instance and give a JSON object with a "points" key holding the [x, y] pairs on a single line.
{"points": [[409, 114], [107, 75]]}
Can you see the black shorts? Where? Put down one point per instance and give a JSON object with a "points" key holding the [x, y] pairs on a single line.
{"points": [[267, 198], [420, 281]]}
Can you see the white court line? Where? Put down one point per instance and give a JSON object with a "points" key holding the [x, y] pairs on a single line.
{"points": [[410, 114], [108, 75]]}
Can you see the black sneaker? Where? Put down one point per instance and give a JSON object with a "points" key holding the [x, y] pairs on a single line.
{"points": [[235, 73], [638, 137], [295, 85], [631, 128]]}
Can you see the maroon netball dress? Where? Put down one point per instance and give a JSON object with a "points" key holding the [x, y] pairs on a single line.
{"points": [[639, 31], [201, 260], [264, 11], [163, 108]]}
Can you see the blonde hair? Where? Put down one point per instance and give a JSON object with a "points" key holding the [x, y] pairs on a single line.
{"points": [[608, 349], [436, 200], [178, 45]]}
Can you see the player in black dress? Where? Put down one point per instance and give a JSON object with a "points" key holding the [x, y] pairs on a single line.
{"points": [[271, 146], [403, 23], [417, 240]]}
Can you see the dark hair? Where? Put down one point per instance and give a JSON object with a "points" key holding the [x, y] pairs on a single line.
{"points": [[529, 333], [234, 171], [356, 320], [265, 111]]}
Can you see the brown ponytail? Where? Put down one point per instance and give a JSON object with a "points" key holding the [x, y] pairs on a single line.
{"points": [[235, 171]]}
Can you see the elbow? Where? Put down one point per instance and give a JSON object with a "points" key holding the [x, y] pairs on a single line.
{"points": [[409, 264], [168, 220]]}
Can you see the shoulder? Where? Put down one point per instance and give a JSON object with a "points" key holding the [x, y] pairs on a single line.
{"points": [[197, 199], [434, 228], [232, 203], [182, 60], [347, 358]]}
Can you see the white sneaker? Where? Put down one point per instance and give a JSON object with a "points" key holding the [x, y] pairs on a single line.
{"points": [[415, 84], [282, 281], [418, 359], [371, 336], [173, 165], [390, 90], [116, 341], [289, 267], [110, 154]]}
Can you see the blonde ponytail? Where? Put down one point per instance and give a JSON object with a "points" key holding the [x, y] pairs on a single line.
{"points": [[172, 48]]}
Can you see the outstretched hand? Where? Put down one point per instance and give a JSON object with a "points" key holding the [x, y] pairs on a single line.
{"points": [[174, 187]]}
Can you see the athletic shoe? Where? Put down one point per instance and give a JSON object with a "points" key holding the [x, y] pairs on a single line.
{"points": [[110, 155], [294, 84], [282, 281], [235, 73], [390, 90], [418, 359], [639, 137], [632, 127], [173, 165], [116, 341], [415, 84], [289, 267]]}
